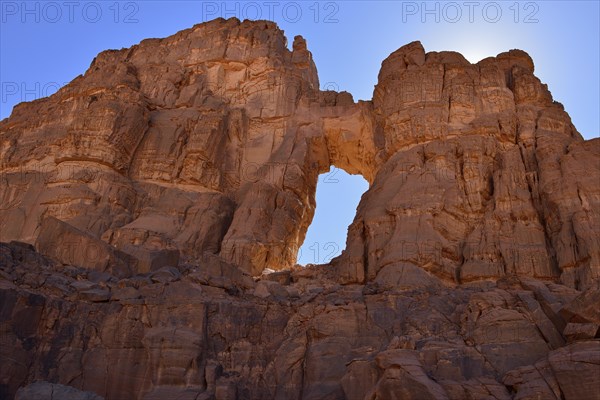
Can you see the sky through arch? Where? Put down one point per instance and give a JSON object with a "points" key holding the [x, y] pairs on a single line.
{"points": [[338, 195]]}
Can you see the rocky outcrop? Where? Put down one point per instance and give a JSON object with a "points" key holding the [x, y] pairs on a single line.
{"points": [[470, 189], [209, 331], [144, 204], [570, 372], [212, 140], [47, 391], [200, 141]]}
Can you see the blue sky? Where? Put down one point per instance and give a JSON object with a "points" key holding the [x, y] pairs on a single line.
{"points": [[45, 44]]}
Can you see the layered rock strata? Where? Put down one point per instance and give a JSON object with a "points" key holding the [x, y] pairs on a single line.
{"points": [[141, 203]]}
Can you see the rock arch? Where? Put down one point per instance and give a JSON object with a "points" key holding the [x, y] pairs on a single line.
{"points": [[218, 133]]}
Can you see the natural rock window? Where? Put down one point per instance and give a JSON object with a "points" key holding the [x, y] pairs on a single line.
{"points": [[151, 213], [338, 195]]}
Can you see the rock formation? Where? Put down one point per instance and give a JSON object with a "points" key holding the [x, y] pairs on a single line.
{"points": [[144, 201]]}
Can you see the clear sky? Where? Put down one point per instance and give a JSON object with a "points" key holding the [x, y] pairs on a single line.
{"points": [[45, 44]]}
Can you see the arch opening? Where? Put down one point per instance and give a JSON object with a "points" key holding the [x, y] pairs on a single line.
{"points": [[337, 197]]}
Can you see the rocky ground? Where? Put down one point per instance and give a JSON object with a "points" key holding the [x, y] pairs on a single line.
{"points": [[151, 212], [209, 331]]}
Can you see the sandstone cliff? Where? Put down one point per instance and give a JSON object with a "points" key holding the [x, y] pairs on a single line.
{"points": [[143, 201]]}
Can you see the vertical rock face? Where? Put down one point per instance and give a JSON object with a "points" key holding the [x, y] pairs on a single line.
{"points": [[211, 139], [159, 183], [470, 186]]}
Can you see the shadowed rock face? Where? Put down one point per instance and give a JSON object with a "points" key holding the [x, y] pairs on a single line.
{"points": [[158, 184]]}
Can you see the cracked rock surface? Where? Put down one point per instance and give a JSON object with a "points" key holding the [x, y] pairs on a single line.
{"points": [[145, 206]]}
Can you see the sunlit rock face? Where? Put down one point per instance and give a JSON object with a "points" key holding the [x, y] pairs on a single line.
{"points": [[143, 201], [210, 140], [482, 175]]}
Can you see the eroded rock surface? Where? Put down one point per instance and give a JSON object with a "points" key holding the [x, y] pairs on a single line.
{"points": [[141, 204], [47, 391]]}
